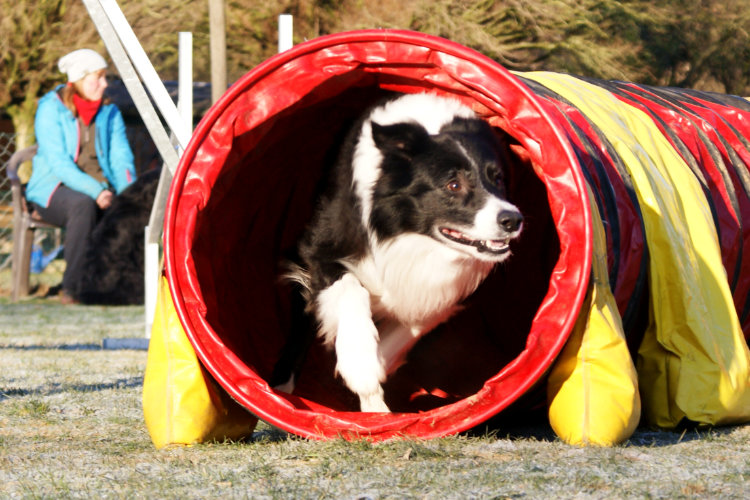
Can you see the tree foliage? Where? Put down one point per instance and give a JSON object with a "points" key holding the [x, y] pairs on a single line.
{"points": [[693, 43], [688, 43], [589, 37], [700, 44], [36, 33], [29, 49]]}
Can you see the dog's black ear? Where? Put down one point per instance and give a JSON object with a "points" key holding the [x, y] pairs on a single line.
{"points": [[400, 138]]}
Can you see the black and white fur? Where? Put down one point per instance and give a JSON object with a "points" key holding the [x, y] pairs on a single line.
{"points": [[418, 218]]}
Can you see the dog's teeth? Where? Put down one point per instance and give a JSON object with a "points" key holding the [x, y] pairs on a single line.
{"points": [[495, 244]]}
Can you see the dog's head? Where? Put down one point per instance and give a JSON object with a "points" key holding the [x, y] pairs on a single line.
{"points": [[428, 165]]}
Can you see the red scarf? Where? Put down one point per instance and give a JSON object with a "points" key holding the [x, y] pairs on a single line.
{"points": [[86, 109]]}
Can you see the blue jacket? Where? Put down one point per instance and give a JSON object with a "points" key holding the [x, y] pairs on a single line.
{"points": [[58, 136]]}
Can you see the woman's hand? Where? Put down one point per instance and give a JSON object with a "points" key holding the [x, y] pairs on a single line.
{"points": [[104, 200]]}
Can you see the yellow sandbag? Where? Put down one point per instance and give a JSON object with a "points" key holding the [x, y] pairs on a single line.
{"points": [[181, 403], [693, 363], [592, 389]]}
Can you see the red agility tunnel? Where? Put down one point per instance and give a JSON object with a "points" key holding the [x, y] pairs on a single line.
{"points": [[246, 187]]}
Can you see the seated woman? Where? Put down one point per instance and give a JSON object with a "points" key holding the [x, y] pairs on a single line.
{"points": [[84, 158]]}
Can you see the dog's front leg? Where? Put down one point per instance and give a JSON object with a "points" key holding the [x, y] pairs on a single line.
{"points": [[346, 320], [396, 340]]}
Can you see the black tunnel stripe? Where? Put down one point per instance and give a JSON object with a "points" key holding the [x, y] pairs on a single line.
{"points": [[633, 309], [739, 103], [740, 166], [716, 157], [605, 195], [615, 88], [731, 101], [677, 99]]}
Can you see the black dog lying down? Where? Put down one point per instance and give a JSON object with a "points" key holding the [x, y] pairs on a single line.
{"points": [[114, 261]]}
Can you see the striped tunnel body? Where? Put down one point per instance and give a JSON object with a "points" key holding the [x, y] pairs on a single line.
{"points": [[710, 133]]}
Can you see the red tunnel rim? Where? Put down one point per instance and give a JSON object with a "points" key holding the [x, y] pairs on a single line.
{"points": [[397, 36]]}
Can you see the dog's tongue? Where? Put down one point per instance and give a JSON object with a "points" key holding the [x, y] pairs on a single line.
{"points": [[454, 234]]}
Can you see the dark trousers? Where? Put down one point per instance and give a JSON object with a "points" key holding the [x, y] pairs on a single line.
{"points": [[77, 213]]}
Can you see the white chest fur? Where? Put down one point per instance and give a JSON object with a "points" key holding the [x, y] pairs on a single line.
{"points": [[417, 280]]}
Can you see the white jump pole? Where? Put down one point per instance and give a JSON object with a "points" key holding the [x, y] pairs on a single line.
{"points": [[146, 71], [152, 267], [185, 80], [285, 32], [129, 58]]}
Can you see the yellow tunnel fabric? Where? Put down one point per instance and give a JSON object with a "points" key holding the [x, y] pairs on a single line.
{"points": [[592, 389], [693, 363], [181, 403]]}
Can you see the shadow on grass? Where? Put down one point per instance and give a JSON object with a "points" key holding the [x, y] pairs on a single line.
{"points": [[527, 419], [51, 389], [52, 347], [644, 436], [114, 344]]}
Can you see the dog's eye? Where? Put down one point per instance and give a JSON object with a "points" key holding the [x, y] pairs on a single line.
{"points": [[498, 181], [454, 186]]}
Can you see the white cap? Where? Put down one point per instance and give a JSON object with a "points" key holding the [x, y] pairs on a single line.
{"points": [[80, 63]]}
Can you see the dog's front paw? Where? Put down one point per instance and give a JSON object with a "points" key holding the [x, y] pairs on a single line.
{"points": [[358, 362], [373, 403]]}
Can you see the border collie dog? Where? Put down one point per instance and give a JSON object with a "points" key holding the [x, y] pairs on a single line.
{"points": [[417, 218]]}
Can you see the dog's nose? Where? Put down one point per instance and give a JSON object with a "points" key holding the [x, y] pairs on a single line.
{"points": [[510, 220]]}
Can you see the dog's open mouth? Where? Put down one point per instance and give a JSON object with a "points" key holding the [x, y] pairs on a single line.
{"points": [[489, 246]]}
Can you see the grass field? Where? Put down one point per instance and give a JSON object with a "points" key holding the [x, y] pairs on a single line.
{"points": [[71, 426]]}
